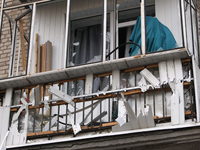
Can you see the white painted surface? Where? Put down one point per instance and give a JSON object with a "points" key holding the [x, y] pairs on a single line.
{"points": [[168, 13], [149, 116], [6, 113], [68, 99], [196, 73], [170, 70], [188, 29], [163, 72], [150, 77], [89, 84], [115, 79], [131, 115], [179, 89], [50, 25]]}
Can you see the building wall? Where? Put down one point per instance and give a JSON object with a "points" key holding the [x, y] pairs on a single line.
{"points": [[5, 47]]}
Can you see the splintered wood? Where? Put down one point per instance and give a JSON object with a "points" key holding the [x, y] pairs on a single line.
{"points": [[44, 57], [43, 62]]}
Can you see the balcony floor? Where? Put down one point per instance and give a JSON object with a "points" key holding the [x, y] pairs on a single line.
{"points": [[95, 68]]}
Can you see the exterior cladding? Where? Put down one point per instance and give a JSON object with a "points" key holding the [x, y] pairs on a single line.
{"points": [[5, 47]]}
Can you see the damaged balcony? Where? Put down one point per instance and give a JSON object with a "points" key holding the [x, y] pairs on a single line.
{"points": [[111, 67], [118, 101]]}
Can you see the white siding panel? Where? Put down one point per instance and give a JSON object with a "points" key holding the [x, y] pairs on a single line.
{"points": [[196, 73], [50, 26]]}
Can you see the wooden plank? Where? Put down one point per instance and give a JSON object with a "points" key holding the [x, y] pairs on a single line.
{"points": [[22, 44], [46, 132], [31, 134], [152, 66], [40, 58], [43, 58], [103, 75], [48, 57], [36, 53], [133, 69]]}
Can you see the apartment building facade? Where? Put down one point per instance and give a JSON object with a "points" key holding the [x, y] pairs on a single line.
{"points": [[94, 74]]}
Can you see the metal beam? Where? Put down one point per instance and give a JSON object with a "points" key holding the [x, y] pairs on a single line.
{"points": [[26, 4], [104, 30], [66, 33], [31, 38], [1, 21], [25, 36], [143, 26]]}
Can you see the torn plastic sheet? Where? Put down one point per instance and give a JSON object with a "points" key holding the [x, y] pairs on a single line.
{"points": [[14, 136], [143, 84], [46, 105]]}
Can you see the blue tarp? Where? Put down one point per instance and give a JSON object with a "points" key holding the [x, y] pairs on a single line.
{"points": [[158, 36]]}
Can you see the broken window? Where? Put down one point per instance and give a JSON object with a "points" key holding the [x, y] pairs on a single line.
{"points": [[15, 41], [86, 32]]}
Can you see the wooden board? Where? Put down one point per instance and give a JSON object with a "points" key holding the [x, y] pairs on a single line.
{"points": [[22, 44], [36, 53]]}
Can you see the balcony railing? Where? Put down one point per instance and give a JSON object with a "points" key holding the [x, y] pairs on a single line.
{"points": [[54, 114]]}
